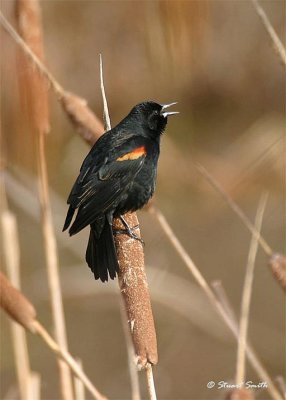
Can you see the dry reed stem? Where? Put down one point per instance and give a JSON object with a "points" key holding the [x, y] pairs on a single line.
{"points": [[68, 359], [133, 280], [12, 261], [133, 372], [35, 385], [246, 294], [282, 384], [277, 263], [78, 385], [29, 381], [214, 301], [52, 265], [235, 208], [150, 382], [278, 46], [19, 308], [106, 117], [221, 295], [261, 371]]}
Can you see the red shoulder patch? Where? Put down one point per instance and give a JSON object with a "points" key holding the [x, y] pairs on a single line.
{"points": [[133, 155]]}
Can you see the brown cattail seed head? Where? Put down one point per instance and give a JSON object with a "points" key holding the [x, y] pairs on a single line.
{"points": [[277, 264], [16, 304], [134, 289]]}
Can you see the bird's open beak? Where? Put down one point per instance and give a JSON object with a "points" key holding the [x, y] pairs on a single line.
{"points": [[167, 113]]}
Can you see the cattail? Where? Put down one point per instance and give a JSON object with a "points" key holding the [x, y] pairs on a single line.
{"points": [[277, 263], [134, 289], [16, 304], [32, 85]]}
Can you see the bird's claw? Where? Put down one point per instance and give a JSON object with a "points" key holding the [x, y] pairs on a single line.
{"points": [[128, 231]]}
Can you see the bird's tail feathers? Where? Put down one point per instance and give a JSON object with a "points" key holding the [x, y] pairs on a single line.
{"points": [[101, 254]]}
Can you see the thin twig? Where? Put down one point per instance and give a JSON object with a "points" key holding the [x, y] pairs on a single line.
{"points": [[221, 295], [282, 384], [246, 294], [265, 246], [233, 326], [106, 118], [69, 360], [52, 264], [278, 45], [150, 382], [133, 372], [78, 385]]}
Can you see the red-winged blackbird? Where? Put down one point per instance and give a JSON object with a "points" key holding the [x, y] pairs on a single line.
{"points": [[118, 175]]}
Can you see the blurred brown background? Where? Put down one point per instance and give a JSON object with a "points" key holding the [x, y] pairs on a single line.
{"points": [[217, 61]]}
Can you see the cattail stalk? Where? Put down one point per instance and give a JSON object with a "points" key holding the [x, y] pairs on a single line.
{"points": [[78, 385], [278, 45], [11, 256], [246, 294], [52, 264], [133, 371], [150, 382]]}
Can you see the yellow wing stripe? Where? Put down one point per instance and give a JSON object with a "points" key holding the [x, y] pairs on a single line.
{"points": [[133, 155]]}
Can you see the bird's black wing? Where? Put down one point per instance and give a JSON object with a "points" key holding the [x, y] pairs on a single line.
{"points": [[98, 190]]}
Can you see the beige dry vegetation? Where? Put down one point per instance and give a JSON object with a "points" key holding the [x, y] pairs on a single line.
{"points": [[217, 60]]}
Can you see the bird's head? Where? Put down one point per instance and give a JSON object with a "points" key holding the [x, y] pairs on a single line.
{"points": [[153, 116]]}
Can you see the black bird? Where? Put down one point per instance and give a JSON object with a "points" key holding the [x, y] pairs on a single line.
{"points": [[118, 175]]}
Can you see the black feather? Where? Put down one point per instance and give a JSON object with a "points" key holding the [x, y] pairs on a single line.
{"points": [[101, 253]]}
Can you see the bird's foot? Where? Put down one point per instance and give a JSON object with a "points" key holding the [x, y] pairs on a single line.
{"points": [[128, 231]]}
